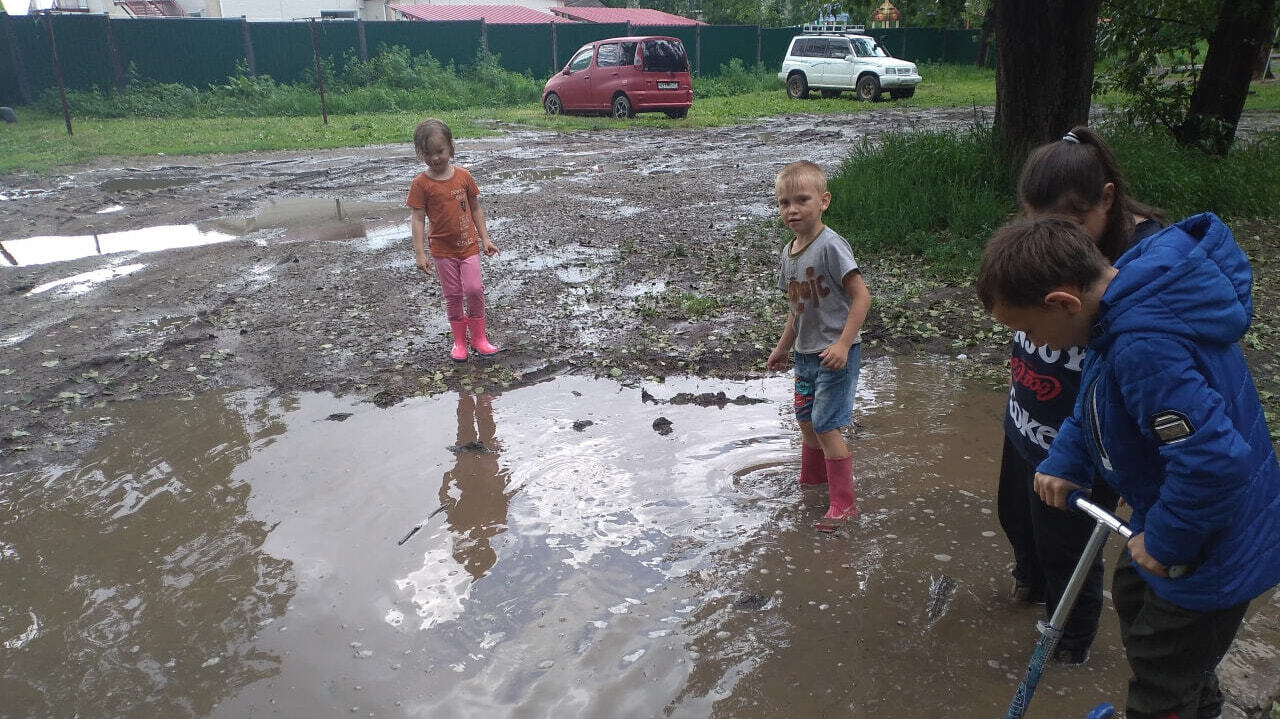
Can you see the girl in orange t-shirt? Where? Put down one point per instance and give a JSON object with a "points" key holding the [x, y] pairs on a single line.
{"points": [[445, 204]]}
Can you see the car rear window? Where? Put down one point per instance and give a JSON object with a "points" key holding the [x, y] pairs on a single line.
{"points": [[664, 56]]}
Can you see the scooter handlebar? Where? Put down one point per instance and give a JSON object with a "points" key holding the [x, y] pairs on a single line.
{"points": [[1079, 499]]}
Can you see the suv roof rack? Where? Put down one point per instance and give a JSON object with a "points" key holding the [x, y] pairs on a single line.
{"points": [[818, 28]]}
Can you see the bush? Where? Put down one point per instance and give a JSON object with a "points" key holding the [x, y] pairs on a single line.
{"points": [[736, 79], [393, 80], [939, 195]]}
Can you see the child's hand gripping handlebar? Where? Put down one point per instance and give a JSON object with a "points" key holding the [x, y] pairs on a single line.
{"points": [[1080, 500]]}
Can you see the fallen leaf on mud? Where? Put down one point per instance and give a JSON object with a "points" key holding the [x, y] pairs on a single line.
{"points": [[50, 363], [6, 371]]}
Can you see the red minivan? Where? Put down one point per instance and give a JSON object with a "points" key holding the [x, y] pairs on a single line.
{"points": [[622, 76]]}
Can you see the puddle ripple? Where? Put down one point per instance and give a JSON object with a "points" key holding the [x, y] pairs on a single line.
{"points": [[542, 553]]}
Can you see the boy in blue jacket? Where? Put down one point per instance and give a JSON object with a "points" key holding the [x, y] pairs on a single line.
{"points": [[1168, 416]]}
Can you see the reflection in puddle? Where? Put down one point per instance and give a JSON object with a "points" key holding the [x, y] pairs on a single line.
{"points": [[544, 552], [42, 250], [318, 219], [290, 219]]}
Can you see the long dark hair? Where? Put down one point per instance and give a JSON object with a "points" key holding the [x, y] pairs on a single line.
{"points": [[1067, 176]]}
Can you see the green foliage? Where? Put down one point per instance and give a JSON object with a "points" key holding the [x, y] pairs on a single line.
{"points": [[392, 81], [936, 195], [735, 79], [1184, 181], [939, 195], [1149, 51]]}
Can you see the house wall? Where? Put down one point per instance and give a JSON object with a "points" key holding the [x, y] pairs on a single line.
{"points": [[290, 9], [108, 7]]}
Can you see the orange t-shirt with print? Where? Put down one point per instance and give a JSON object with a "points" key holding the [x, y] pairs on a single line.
{"points": [[451, 232]]}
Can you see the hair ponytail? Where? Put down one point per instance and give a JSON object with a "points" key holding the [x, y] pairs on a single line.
{"points": [[1067, 176]]}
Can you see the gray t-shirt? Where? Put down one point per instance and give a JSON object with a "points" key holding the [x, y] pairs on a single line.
{"points": [[814, 283]]}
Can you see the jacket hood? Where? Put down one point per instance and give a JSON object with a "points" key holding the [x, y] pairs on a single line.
{"points": [[1189, 280]]}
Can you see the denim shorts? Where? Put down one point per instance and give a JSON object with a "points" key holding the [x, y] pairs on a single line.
{"points": [[825, 396]]}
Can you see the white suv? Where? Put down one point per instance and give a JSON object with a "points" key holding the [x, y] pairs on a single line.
{"points": [[832, 61]]}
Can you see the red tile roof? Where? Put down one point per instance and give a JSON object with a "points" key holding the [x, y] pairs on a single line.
{"points": [[635, 16], [496, 14]]}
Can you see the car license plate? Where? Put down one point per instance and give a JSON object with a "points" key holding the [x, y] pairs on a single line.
{"points": [[668, 86]]}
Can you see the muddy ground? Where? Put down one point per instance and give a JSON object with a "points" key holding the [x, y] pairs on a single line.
{"points": [[628, 254], [631, 254]]}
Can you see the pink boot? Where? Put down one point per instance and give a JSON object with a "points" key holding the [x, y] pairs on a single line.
{"points": [[844, 504], [478, 340], [813, 466], [459, 351]]}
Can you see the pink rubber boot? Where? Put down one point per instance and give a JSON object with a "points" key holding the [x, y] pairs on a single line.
{"points": [[478, 340], [459, 351], [813, 466], [844, 504]]}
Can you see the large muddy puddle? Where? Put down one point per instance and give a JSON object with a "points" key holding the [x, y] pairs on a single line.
{"points": [[558, 550]]}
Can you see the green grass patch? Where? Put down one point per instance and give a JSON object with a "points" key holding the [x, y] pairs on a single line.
{"points": [[380, 102], [939, 195], [935, 195]]}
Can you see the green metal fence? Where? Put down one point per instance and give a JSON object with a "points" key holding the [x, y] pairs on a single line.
{"points": [[95, 51]]}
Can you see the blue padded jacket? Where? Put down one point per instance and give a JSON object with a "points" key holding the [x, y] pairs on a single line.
{"points": [[1168, 415]]}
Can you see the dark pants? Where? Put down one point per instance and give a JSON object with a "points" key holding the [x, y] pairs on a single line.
{"points": [[1047, 544], [1173, 652]]}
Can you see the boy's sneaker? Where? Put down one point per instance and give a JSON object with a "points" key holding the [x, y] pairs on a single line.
{"points": [[1026, 593], [1071, 657]]}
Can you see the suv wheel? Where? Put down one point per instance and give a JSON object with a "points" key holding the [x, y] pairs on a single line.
{"points": [[868, 88], [622, 108], [552, 104], [797, 86]]}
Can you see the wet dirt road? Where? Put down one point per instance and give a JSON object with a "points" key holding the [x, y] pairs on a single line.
{"points": [[295, 270], [189, 531]]}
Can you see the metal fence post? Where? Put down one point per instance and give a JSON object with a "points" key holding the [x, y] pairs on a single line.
{"points": [[114, 52], [697, 49], [24, 88], [555, 50], [248, 47], [364, 44], [57, 70], [315, 46]]}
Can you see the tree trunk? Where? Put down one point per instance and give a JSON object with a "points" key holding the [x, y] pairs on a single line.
{"points": [[1264, 56], [1045, 51], [984, 38], [1244, 26]]}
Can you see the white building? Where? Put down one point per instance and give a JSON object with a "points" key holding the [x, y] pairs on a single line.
{"points": [[290, 9], [251, 9]]}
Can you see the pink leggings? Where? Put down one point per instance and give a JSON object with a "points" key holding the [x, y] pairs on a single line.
{"points": [[459, 279]]}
